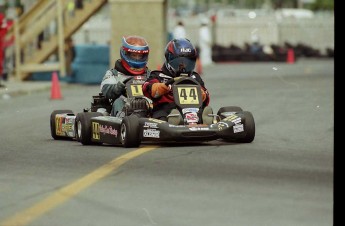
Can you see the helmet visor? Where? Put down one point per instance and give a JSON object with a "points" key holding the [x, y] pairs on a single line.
{"points": [[182, 65], [137, 57]]}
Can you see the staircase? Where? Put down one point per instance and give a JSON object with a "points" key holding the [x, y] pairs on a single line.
{"points": [[29, 57]]}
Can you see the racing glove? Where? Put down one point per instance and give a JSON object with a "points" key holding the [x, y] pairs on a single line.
{"points": [[119, 87], [203, 94], [159, 89]]}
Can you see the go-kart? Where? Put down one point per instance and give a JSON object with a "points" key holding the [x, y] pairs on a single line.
{"points": [[188, 122]]}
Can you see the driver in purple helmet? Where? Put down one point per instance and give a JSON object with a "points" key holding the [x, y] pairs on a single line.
{"points": [[180, 58], [134, 54]]}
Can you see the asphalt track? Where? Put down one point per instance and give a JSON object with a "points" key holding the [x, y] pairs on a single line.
{"points": [[284, 177]]}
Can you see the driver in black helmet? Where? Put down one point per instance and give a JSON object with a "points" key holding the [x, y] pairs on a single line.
{"points": [[180, 58]]}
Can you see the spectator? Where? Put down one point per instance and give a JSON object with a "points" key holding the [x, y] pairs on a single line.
{"points": [[4, 26], [71, 8], [79, 4], [40, 39], [179, 31], [205, 43], [255, 47]]}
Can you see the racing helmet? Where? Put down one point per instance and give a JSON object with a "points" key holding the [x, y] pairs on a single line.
{"points": [[134, 54], [180, 57]]}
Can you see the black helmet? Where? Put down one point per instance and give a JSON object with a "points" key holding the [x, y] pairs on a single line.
{"points": [[180, 57]]}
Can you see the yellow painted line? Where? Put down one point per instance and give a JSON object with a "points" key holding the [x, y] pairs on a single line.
{"points": [[67, 192]]}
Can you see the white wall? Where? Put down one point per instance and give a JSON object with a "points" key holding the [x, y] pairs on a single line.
{"points": [[318, 32]]}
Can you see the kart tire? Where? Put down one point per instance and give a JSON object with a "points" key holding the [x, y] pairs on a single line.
{"points": [[129, 132], [206, 119], [53, 124], [82, 127], [228, 109], [249, 127]]}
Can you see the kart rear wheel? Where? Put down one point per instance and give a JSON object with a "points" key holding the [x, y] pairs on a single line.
{"points": [[129, 133], [53, 124], [82, 127], [228, 109], [249, 128]]}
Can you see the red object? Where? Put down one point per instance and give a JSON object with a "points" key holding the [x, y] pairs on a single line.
{"points": [[198, 66], [290, 59], [213, 18], [55, 88], [4, 26]]}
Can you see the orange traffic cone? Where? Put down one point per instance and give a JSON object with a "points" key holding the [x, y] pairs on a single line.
{"points": [[198, 66], [290, 59], [55, 87]]}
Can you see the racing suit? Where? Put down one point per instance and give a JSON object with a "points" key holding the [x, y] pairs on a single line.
{"points": [[162, 105], [113, 87]]}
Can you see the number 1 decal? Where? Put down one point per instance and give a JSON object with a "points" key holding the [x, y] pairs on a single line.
{"points": [[137, 90]]}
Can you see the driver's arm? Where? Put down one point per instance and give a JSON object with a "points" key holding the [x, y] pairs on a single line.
{"points": [[153, 88], [111, 86]]}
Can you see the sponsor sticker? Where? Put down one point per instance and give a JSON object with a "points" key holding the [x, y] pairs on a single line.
{"points": [[238, 128], [234, 119], [199, 128], [151, 133], [191, 117], [222, 125], [150, 125], [58, 123], [156, 120], [104, 129], [185, 110], [95, 131]]}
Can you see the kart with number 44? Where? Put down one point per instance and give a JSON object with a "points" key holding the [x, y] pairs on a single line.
{"points": [[189, 122]]}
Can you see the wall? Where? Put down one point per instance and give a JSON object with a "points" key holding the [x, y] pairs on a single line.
{"points": [[317, 32], [139, 17]]}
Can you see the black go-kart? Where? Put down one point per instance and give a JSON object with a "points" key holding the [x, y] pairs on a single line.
{"points": [[189, 122]]}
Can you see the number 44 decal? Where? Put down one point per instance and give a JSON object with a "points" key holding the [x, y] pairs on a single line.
{"points": [[188, 95]]}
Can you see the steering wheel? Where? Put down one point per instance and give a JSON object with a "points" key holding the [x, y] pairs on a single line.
{"points": [[172, 80]]}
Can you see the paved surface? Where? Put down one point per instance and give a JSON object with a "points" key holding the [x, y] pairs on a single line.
{"points": [[12, 87]]}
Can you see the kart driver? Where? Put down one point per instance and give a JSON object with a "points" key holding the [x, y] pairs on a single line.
{"points": [[180, 57], [134, 54]]}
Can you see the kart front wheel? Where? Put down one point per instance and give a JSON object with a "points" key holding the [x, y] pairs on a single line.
{"points": [[129, 133], [82, 127], [249, 128], [53, 123]]}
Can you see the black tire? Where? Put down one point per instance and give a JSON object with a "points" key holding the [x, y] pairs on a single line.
{"points": [[53, 124], [82, 127], [129, 132], [228, 109], [249, 127]]}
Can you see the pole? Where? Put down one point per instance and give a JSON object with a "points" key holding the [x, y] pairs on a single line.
{"points": [[61, 39]]}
